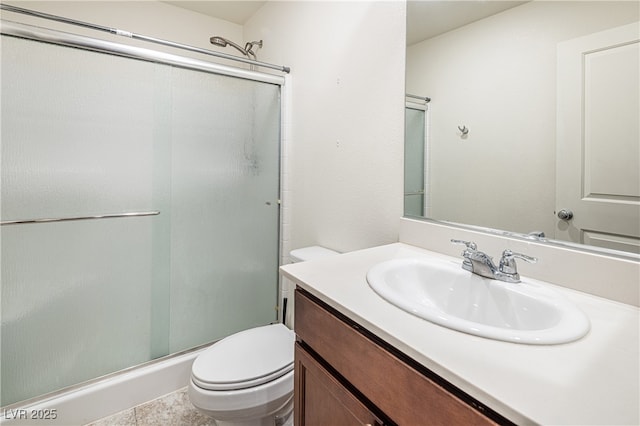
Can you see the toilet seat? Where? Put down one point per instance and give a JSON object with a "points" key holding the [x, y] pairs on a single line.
{"points": [[245, 359]]}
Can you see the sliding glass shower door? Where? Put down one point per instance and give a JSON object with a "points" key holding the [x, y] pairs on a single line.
{"points": [[224, 206], [186, 161]]}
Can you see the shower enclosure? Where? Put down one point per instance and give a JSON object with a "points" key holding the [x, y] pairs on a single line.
{"points": [[161, 179]]}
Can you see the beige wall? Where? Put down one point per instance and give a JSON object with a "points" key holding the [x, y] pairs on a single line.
{"points": [[346, 127], [497, 76]]}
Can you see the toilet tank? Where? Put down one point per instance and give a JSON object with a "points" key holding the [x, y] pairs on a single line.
{"points": [[310, 253], [299, 255]]}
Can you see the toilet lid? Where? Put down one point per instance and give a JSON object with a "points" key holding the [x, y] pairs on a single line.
{"points": [[245, 359]]}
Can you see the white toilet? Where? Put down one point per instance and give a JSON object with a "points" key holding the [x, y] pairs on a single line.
{"points": [[246, 379]]}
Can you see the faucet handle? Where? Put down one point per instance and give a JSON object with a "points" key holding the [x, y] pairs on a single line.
{"points": [[470, 244], [508, 254], [467, 253], [508, 264]]}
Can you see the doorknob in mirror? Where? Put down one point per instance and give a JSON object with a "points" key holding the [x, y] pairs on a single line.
{"points": [[565, 214]]}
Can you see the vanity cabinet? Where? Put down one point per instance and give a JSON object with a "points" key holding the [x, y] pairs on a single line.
{"points": [[344, 375]]}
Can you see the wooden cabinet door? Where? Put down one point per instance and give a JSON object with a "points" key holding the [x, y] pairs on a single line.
{"points": [[396, 391], [322, 400]]}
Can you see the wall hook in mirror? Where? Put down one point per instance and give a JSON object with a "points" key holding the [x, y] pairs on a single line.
{"points": [[463, 130]]}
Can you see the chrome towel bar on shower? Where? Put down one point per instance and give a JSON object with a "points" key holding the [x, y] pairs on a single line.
{"points": [[65, 219]]}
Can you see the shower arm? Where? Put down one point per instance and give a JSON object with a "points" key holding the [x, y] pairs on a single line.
{"points": [[248, 47], [238, 47]]}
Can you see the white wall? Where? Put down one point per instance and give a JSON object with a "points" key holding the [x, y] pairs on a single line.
{"points": [[497, 76], [344, 185]]}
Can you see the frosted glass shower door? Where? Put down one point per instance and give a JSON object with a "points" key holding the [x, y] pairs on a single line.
{"points": [[87, 133], [76, 141], [225, 185]]}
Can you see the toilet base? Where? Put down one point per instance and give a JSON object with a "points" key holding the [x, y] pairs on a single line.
{"points": [[283, 418], [226, 410]]}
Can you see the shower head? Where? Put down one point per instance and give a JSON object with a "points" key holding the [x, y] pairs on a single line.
{"points": [[247, 51], [223, 42], [218, 41]]}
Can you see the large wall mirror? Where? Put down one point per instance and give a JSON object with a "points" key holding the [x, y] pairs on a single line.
{"points": [[524, 117]]}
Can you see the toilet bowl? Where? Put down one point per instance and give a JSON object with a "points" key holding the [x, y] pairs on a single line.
{"points": [[246, 378]]}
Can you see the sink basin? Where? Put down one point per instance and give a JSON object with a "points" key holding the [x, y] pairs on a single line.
{"points": [[442, 292]]}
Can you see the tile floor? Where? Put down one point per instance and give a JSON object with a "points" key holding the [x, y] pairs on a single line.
{"points": [[173, 409]]}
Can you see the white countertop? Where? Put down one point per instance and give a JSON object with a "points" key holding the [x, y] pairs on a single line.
{"points": [[595, 380]]}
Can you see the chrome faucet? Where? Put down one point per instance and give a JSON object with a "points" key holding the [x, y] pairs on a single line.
{"points": [[482, 264]]}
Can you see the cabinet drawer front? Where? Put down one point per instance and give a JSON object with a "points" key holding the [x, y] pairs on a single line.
{"points": [[398, 390]]}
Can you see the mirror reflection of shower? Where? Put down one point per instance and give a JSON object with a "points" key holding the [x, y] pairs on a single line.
{"points": [[247, 50], [416, 157]]}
